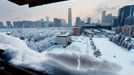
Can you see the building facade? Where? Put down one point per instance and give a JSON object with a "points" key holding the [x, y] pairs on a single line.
{"points": [[78, 22], [103, 17], [64, 39], [9, 25], [88, 20], [115, 22], [1, 25], [125, 12], [106, 19]]}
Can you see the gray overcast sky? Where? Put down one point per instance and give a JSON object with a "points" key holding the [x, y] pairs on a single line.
{"points": [[82, 8]]}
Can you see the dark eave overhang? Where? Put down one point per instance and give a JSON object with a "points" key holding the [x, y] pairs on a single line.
{"points": [[33, 3]]}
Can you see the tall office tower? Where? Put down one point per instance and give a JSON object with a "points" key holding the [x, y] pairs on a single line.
{"points": [[78, 22], [63, 22], [47, 19], [47, 22], [114, 21], [108, 19], [9, 25], [57, 22], [88, 20], [18, 24], [129, 21], [98, 22], [124, 12], [1, 25], [103, 16], [69, 17]]}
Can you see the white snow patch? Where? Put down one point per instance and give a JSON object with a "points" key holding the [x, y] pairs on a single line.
{"points": [[123, 57]]}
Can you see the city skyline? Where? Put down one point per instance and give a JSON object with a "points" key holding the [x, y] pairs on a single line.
{"points": [[84, 9]]}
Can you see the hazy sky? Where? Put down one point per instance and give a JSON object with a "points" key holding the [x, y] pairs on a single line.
{"points": [[82, 8]]}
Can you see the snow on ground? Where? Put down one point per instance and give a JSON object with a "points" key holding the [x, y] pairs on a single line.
{"points": [[65, 63], [18, 53], [110, 52], [77, 58], [122, 56], [79, 45], [38, 39]]}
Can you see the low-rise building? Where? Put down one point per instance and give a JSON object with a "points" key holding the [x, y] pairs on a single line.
{"points": [[77, 31], [128, 28], [64, 39]]}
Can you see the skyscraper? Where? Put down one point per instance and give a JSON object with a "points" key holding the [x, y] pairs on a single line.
{"points": [[57, 22], [47, 19], [106, 19], [88, 20], [63, 22], [115, 21], [47, 22], [78, 22], [69, 17], [9, 25], [129, 21], [103, 16], [1, 25], [124, 12]]}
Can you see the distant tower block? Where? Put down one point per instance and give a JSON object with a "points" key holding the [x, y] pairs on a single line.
{"points": [[88, 20], [69, 17], [103, 16], [47, 19]]}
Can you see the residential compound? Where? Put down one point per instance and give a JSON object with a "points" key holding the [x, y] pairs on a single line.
{"points": [[126, 20]]}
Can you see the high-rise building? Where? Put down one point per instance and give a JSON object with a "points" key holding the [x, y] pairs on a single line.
{"points": [[1, 25], [106, 19], [27, 24], [47, 22], [103, 16], [42, 23], [63, 22], [98, 22], [30, 24], [115, 22], [129, 21], [78, 22], [82, 23], [69, 17], [125, 12], [9, 25], [47, 19], [57, 22], [17, 24], [88, 20]]}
